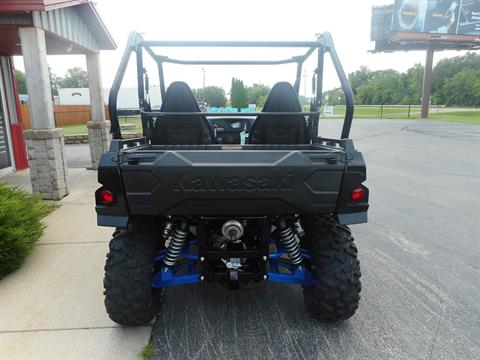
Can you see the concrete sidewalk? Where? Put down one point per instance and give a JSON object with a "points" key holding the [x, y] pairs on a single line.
{"points": [[52, 307]]}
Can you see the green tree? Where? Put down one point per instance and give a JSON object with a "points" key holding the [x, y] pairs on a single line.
{"points": [[463, 88], [305, 102], [238, 94], [445, 70], [54, 79], [21, 83], [257, 94], [413, 85], [214, 96], [385, 87], [359, 78], [455, 82], [334, 97], [75, 78]]}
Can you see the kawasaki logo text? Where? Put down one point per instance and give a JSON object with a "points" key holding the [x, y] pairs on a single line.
{"points": [[275, 182]]}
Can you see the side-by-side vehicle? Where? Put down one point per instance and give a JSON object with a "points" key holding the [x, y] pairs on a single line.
{"points": [[194, 200]]}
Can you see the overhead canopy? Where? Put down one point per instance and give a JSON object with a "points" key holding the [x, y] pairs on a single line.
{"points": [[71, 27]]}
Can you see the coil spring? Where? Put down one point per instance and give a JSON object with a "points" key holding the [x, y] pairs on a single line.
{"points": [[175, 246], [291, 245]]}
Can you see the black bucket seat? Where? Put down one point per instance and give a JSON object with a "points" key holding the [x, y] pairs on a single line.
{"points": [[181, 130], [280, 129]]}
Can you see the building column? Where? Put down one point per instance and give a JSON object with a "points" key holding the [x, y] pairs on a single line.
{"points": [[98, 127], [45, 142]]}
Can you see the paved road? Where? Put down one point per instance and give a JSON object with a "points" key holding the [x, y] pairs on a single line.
{"points": [[420, 257]]}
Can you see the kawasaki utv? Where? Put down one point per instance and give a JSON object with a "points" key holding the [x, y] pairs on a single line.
{"points": [[194, 200]]}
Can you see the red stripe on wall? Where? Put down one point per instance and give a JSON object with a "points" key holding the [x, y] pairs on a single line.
{"points": [[16, 130], [18, 145]]}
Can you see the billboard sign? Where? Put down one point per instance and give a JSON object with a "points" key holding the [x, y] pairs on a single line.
{"points": [[460, 17]]}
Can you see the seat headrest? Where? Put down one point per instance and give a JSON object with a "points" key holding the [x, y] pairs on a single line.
{"points": [[282, 97], [179, 98]]}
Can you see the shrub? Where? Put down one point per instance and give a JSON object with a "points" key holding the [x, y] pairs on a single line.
{"points": [[20, 226]]}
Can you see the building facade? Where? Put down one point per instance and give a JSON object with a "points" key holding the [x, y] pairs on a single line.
{"points": [[13, 155], [35, 29]]}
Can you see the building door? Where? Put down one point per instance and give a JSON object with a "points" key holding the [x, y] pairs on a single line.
{"points": [[4, 147]]}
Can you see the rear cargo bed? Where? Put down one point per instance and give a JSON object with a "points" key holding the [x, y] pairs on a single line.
{"points": [[240, 180]]}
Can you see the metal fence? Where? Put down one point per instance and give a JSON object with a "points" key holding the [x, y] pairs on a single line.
{"points": [[381, 111]]}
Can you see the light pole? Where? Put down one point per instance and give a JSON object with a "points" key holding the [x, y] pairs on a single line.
{"points": [[305, 83], [305, 86], [203, 93]]}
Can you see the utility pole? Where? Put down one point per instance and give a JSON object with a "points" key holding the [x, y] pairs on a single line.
{"points": [[305, 83], [427, 83], [203, 93]]}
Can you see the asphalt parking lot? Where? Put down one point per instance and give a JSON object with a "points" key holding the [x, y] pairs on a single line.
{"points": [[420, 258]]}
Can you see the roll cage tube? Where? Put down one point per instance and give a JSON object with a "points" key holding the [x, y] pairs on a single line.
{"points": [[136, 43]]}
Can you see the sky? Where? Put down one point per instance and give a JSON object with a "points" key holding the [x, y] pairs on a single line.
{"points": [[347, 20]]}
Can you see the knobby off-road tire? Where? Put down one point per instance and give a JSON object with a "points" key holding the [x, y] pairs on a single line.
{"points": [[129, 297], [336, 293]]}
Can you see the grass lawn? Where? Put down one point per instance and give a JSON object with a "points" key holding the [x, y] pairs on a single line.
{"points": [[467, 117], [75, 129], [373, 112], [81, 129]]}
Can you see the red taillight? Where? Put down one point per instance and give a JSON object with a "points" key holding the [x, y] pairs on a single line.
{"points": [[358, 194], [106, 197]]}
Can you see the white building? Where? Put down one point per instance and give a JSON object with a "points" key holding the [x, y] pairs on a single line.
{"points": [[127, 97], [74, 96]]}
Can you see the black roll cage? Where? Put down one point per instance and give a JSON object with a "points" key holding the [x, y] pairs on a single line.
{"points": [[136, 43]]}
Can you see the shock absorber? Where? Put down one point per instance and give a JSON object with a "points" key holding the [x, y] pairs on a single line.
{"points": [[290, 243], [177, 240], [167, 230], [297, 227]]}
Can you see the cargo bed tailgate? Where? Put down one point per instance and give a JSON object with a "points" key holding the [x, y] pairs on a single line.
{"points": [[240, 182]]}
